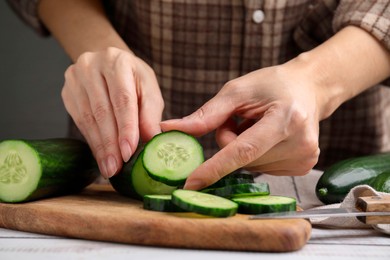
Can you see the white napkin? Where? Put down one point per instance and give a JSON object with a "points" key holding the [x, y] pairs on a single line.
{"points": [[303, 189]]}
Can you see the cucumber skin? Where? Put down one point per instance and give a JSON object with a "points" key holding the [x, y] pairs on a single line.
{"points": [[221, 213], [122, 182], [341, 177], [160, 205], [240, 190], [382, 182], [231, 179], [67, 167], [250, 208]]}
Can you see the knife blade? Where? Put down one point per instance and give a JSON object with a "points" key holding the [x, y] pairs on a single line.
{"points": [[370, 210]]}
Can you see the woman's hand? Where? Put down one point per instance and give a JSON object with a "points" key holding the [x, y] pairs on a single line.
{"points": [[280, 107], [276, 131], [114, 99]]}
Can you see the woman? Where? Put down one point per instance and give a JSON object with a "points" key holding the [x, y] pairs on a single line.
{"points": [[279, 81]]}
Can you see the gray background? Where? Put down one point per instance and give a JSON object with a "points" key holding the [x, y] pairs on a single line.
{"points": [[31, 79]]}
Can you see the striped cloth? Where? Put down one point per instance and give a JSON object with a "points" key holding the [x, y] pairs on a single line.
{"points": [[197, 46]]}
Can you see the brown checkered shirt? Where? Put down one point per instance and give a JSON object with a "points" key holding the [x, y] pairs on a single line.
{"points": [[197, 46]]}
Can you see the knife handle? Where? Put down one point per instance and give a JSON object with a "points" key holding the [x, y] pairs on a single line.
{"points": [[374, 203]]}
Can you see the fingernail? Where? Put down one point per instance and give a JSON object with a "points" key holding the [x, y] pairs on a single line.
{"points": [[110, 166], [125, 151], [194, 184]]}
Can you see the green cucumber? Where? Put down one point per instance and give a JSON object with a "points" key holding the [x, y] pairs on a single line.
{"points": [[240, 190], [37, 169], [265, 204], [170, 157], [133, 180], [382, 182], [233, 178], [203, 203], [161, 203], [336, 181]]}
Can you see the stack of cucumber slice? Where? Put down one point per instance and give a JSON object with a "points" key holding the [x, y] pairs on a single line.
{"points": [[157, 170]]}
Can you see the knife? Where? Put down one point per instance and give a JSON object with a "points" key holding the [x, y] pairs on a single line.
{"points": [[369, 210]]}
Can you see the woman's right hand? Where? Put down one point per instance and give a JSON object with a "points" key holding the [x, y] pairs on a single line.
{"points": [[114, 99]]}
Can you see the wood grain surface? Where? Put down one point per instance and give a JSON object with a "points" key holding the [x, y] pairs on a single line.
{"points": [[99, 213]]}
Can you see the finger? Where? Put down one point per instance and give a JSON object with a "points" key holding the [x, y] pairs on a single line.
{"points": [[247, 147], [207, 118], [123, 97], [226, 133], [82, 115], [151, 107], [103, 114]]}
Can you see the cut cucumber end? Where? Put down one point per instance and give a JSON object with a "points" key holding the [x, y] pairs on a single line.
{"points": [[170, 157], [143, 184], [20, 170]]}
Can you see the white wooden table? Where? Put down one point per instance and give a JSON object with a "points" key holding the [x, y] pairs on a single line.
{"points": [[323, 244]]}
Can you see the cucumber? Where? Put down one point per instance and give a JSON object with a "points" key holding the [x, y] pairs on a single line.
{"points": [[240, 190], [336, 181], [160, 203], [133, 180], [203, 203], [382, 182], [265, 204], [37, 169], [233, 178], [170, 157]]}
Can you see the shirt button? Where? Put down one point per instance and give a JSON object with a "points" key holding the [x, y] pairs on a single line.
{"points": [[258, 16]]}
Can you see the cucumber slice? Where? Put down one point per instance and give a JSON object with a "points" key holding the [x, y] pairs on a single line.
{"points": [[265, 204], [240, 190], [233, 178], [160, 203], [133, 180], [36, 169], [203, 203], [170, 157]]}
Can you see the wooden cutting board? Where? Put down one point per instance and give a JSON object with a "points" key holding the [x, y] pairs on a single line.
{"points": [[99, 213]]}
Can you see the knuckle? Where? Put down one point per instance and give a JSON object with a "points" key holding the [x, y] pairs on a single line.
{"points": [[310, 145], [308, 162], [233, 88], [84, 121], [122, 101], [69, 72], [298, 117], [245, 152], [101, 112], [108, 142], [84, 59], [112, 51]]}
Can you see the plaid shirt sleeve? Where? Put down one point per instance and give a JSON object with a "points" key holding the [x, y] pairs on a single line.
{"points": [[372, 16], [27, 11]]}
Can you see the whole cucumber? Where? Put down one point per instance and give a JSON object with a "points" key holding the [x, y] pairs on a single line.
{"points": [[341, 177], [37, 169], [382, 182]]}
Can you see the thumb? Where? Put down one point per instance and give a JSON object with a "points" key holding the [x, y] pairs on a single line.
{"points": [[204, 120]]}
